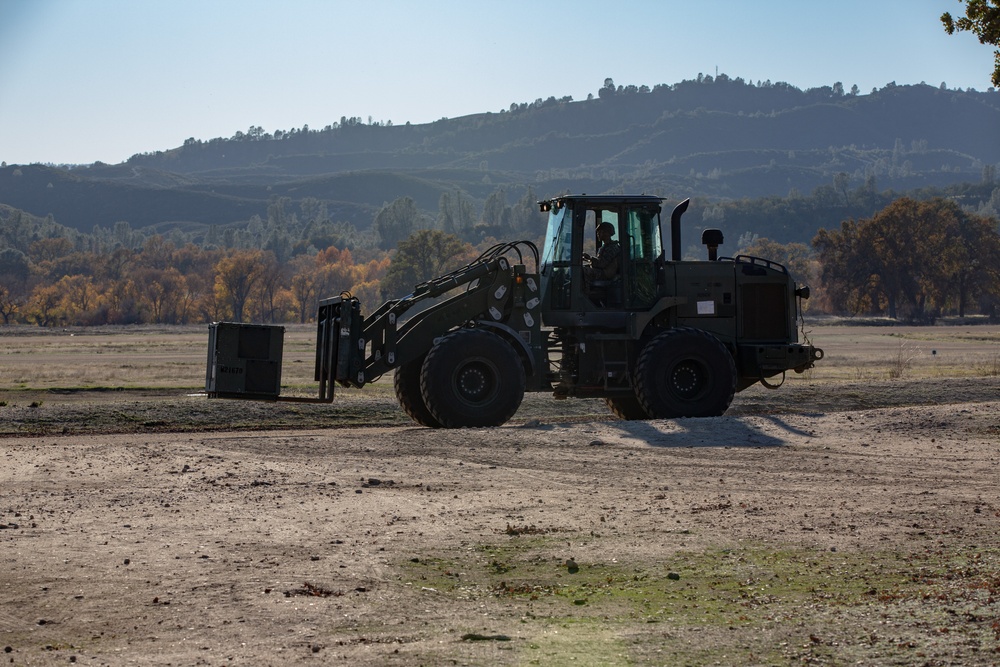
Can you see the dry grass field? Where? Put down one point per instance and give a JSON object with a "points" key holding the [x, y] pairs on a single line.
{"points": [[160, 372], [161, 359], [849, 517], [167, 360]]}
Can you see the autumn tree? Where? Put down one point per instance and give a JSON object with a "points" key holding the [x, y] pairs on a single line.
{"points": [[197, 265], [982, 18], [43, 307], [375, 269], [13, 297], [368, 281], [15, 273], [266, 305], [335, 272], [80, 300], [893, 257], [302, 285], [328, 273], [116, 264], [236, 276], [368, 294], [846, 269], [74, 264], [973, 268], [157, 252], [122, 301], [164, 298], [49, 249], [911, 258], [211, 306]]}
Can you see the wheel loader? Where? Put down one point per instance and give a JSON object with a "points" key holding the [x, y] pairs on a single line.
{"points": [[655, 336]]}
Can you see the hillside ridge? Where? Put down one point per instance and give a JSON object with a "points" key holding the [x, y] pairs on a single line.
{"points": [[716, 139]]}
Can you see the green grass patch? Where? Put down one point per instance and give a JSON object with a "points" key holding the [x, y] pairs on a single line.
{"points": [[747, 605]]}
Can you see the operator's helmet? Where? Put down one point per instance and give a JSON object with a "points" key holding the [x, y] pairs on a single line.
{"points": [[606, 226]]}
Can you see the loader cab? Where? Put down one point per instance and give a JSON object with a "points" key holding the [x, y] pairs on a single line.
{"points": [[621, 274]]}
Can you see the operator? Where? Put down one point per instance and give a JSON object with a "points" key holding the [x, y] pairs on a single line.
{"points": [[605, 265]]}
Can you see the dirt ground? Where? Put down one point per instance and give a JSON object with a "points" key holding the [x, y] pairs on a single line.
{"points": [[531, 544], [825, 532]]}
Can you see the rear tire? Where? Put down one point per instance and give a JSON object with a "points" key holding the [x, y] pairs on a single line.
{"points": [[685, 372], [626, 407], [472, 378], [407, 385]]}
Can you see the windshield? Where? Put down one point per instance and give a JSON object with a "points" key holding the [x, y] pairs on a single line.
{"points": [[558, 239]]}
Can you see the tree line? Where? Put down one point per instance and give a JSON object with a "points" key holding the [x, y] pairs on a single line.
{"points": [[911, 260], [272, 270]]}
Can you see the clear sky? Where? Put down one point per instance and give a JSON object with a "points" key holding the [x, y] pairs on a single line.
{"points": [[88, 80]]}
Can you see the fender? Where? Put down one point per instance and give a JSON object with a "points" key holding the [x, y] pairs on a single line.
{"points": [[514, 339], [639, 321]]}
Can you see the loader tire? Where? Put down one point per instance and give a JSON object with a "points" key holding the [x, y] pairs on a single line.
{"points": [[472, 378], [685, 372], [407, 385], [626, 407]]}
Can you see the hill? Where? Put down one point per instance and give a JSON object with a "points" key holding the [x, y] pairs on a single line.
{"points": [[716, 139]]}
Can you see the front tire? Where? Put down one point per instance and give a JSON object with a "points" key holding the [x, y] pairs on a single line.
{"points": [[472, 378], [685, 372], [406, 382]]}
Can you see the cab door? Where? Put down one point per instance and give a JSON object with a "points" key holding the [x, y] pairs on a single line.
{"points": [[642, 251]]}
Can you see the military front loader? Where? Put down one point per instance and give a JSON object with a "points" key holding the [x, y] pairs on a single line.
{"points": [[655, 336]]}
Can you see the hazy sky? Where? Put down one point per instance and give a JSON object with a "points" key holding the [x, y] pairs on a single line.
{"points": [[87, 80]]}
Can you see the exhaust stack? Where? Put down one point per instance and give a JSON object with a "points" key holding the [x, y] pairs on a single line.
{"points": [[675, 229]]}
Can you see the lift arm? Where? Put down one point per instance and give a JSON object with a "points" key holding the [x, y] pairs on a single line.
{"points": [[244, 361], [394, 334]]}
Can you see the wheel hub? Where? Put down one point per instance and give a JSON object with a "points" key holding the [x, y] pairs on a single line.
{"points": [[686, 380], [476, 382]]}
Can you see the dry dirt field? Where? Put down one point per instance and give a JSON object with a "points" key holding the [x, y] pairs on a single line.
{"points": [[851, 517]]}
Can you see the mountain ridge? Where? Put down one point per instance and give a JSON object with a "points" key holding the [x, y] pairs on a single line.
{"points": [[717, 139]]}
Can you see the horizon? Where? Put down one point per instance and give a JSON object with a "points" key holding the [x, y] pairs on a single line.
{"points": [[847, 93], [206, 72]]}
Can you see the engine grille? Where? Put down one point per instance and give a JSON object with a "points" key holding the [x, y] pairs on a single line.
{"points": [[764, 312]]}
